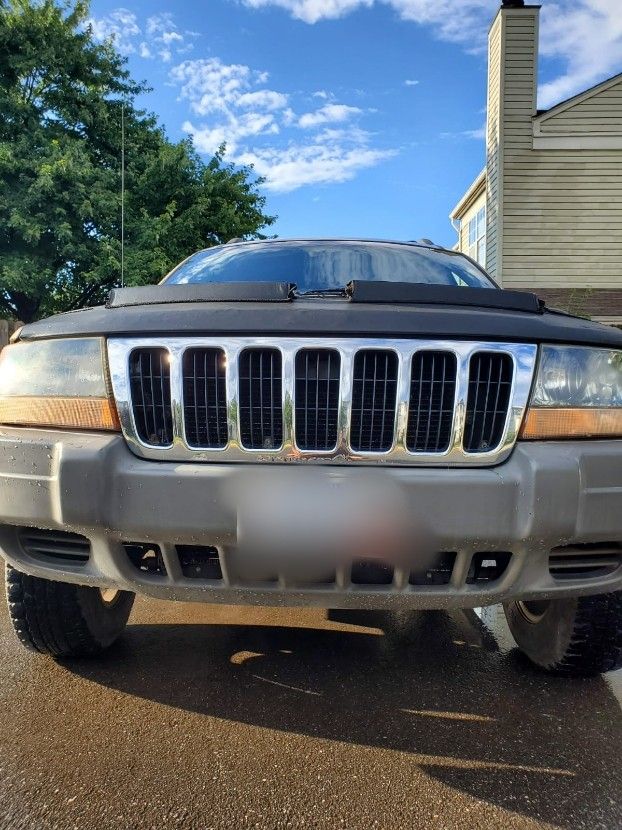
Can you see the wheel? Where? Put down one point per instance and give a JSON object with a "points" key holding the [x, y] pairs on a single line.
{"points": [[65, 620], [579, 636]]}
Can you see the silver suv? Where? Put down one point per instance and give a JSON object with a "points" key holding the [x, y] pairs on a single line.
{"points": [[338, 423]]}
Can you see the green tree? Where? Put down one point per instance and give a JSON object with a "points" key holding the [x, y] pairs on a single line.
{"points": [[61, 100]]}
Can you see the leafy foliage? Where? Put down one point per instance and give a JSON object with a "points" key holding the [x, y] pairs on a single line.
{"points": [[61, 100]]}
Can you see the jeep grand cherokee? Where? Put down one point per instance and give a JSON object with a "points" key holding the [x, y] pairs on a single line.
{"points": [[346, 424]]}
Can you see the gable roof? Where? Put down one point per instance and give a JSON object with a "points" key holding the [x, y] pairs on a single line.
{"points": [[475, 189], [543, 115]]}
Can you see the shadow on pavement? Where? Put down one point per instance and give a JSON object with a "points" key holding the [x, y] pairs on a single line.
{"points": [[435, 685]]}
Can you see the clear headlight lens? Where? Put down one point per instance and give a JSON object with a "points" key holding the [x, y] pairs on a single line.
{"points": [[57, 383], [577, 393]]}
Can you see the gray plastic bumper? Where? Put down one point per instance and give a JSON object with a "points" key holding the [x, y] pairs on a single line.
{"points": [[545, 495]]}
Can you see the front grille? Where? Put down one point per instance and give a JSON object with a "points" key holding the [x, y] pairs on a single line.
{"points": [[374, 389], [317, 398], [432, 393], [205, 399], [150, 385], [490, 385], [253, 399], [261, 407]]}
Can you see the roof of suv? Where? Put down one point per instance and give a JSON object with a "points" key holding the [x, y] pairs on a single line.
{"points": [[416, 243]]}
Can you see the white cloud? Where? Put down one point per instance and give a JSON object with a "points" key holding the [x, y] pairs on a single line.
{"points": [[238, 111], [263, 98], [208, 139], [227, 94], [312, 10], [160, 36], [455, 20], [409, 82], [286, 169], [329, 114], [121, 25], [211, 85], [585, 35]]}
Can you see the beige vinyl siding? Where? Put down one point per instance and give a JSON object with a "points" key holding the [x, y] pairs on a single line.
{"points": [[562, 209], [554, 180], [563, 219], [600, 114], [511, 105], [493, 142]]}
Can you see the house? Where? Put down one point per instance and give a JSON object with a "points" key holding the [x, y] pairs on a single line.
{"points": [[545, 214]]}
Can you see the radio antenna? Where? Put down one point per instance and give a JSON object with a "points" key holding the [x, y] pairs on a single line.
{"points": [[122, 193]]}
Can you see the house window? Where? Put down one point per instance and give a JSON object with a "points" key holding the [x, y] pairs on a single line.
{"points": [[477, 236]]}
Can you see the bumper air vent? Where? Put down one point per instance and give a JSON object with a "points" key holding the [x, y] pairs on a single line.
{"points": [[370, 572], [145, 557], [585, 561], [488, 567], [437, 572], [199, 561], [55, 545]]}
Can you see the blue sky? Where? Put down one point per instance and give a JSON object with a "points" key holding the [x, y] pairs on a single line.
{"points": [[365, 116]]}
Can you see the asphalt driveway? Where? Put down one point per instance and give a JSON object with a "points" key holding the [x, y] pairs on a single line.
{"points": [[222, 717]]}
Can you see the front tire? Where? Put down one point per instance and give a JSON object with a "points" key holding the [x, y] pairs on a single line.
{"points": [[65, 620], [578, 636]]}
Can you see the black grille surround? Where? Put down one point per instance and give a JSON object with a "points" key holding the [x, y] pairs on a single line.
{"points": [[355, 400]]}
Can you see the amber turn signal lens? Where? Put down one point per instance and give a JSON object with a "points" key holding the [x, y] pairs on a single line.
{"points": [[586, 422], [73, 413]]}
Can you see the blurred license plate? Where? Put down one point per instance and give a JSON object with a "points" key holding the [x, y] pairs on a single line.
{"points": [[303, 511]]}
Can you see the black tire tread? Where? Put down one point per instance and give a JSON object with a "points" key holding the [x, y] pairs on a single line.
{"points": [[47, 616], [596, 642]]}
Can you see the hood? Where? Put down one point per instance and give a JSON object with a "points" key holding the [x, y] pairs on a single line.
{"points": [[327, 317]]}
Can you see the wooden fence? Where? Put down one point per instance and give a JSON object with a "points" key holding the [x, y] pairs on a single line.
{"points": [[7, 327]]}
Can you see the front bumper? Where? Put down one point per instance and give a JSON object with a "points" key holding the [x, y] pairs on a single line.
{"points": [[544, 496]]}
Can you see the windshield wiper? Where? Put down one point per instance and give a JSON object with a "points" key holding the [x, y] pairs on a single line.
{"points": [[321, 292]]}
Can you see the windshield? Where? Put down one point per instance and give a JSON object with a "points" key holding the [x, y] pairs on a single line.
{"points": [[320, 266]]}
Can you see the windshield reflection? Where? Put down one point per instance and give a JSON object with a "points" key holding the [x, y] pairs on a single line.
{"points": [[318, 265]]}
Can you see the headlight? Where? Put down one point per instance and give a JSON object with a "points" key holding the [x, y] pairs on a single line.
{"points": [[577, 393], [56, 383]]}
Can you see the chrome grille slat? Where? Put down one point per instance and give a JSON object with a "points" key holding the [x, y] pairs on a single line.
{"points": [[316, 399], [372, 425], [261, 411], [204, 400], [337, 401], [149, 372], [484, 421], [432, 394]]}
